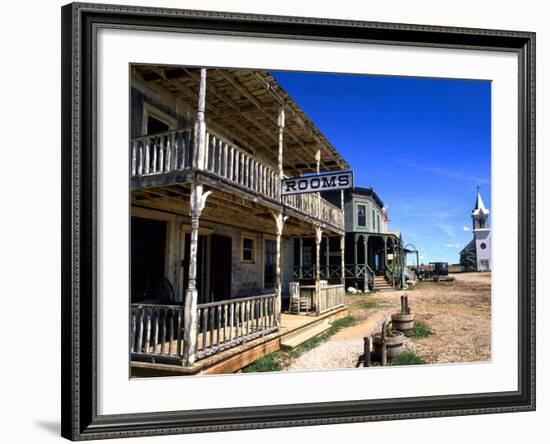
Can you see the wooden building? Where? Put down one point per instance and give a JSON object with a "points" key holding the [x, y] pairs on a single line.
{"points": [[213, 241], [375, 257]]}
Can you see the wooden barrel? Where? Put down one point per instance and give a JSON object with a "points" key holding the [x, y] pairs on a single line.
{"points": [[394, 344], [402, 322]]}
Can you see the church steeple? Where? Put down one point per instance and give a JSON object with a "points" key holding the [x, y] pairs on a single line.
{"points": [[480, 214], [480, 206]]}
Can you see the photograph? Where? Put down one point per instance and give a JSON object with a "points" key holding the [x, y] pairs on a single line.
{"points": [[291, 221]]}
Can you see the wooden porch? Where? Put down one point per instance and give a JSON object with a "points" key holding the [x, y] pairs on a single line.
{"points": [[293, 330]]}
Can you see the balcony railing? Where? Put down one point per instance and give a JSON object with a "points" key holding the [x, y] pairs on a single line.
{"points": [[172, 151], [238, 167], [162, 152]]}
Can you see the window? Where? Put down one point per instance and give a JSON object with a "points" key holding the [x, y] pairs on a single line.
{"points": [[361, 215], [373, 220], [156, 121], [270, 252], [483, 245], [247, 250]]}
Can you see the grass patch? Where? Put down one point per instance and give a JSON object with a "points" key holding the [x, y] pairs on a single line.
{"points": [[268, 363], [420, 330], [407, 358], [278, 360]]}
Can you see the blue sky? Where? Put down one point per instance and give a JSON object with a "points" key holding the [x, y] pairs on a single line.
{"points": [[423, 144]]}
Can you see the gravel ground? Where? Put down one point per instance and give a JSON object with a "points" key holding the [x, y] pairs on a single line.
{"points": [[458, 313]]}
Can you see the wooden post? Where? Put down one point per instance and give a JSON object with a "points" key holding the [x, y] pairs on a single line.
{"points": [[355, 241], [200, 125], [327, 257], [383, 348], [403, 269], [281, 125], [343, 260], [384, 354], [343, 242], [366, 278], [300, 258], [385, 251], [318, 169], [198, 201], [318, 237], [279, 223], [366, 351]]}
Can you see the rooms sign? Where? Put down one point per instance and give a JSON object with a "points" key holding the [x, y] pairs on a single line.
{"points": [[317, 183]]}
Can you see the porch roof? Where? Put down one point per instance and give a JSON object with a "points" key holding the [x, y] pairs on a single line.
{"points": [[244, 105]]}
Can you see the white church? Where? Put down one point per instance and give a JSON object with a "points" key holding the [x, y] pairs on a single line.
{"points": [[476, 256]]}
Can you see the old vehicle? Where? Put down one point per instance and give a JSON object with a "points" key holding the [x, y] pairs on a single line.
{"points": [[434, 271]]}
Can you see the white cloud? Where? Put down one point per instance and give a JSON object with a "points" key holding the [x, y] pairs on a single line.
{"points": [[465, 228], [453, 245]]}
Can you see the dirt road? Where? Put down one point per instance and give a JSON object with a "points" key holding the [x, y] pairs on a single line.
{"points": [[458, 313]]}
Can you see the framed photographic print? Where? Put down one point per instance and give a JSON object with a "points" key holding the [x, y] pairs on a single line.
{"points": [[277, 221]]}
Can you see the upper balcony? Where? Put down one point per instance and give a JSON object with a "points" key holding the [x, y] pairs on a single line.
{"points": [[166, 158], [253, 131]]}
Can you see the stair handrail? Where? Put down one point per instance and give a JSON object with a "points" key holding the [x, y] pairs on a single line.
{"points": [[389, 274]]}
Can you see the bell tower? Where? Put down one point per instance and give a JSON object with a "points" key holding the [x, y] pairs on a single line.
{"points": [[482, 234]]}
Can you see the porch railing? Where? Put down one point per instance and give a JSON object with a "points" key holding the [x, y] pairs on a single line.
{"points": [[156, 332], [162, 152], [334, 271], [224, 324], [330, 297]]}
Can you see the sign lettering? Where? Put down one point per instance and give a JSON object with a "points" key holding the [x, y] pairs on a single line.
{"points": [[317, 183]]}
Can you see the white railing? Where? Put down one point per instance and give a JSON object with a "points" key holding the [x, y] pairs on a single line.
{"points": [[162, 152], [330, 297], [227, 160], [156, 332], [307, 203], [171, 151], [331, 213], [224, 324], [311, 205]]}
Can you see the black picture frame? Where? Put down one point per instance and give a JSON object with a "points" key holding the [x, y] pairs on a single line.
{"points": [[79, 396]]}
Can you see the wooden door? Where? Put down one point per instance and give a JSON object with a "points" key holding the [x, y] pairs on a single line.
{"points": [[220, 267]]}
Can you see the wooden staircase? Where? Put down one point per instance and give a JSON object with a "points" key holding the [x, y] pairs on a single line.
{"points": [[381, 284]]}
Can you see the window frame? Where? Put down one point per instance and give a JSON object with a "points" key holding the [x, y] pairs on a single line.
{"points": [[251, 237], [364, 205], [151, 110]]}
